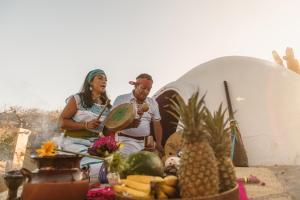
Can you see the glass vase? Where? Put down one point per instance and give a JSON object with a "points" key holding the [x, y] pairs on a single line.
{"points": [[103, 172]]}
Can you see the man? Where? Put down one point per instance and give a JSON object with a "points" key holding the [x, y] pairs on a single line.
{"points": [[133, 138]]}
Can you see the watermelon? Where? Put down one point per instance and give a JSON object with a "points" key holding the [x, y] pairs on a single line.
{"points": [[143, 163]]}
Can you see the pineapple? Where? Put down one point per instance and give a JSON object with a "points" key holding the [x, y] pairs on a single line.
{"points": [[198, 170], [215, 125]]}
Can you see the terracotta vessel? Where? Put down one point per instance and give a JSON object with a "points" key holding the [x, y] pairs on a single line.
{"points": [[57, 177]]}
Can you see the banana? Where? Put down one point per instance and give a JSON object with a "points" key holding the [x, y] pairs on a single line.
{"points": [[144, 178], [131, 192], [143, 186], [162, 195], [137, 185], [171, 180], [168, 190]]}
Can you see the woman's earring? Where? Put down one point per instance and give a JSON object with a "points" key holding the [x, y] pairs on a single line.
{"points": [[91, 88]]}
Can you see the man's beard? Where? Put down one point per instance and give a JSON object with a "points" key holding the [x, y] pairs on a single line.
{"points": [[141, 98]]}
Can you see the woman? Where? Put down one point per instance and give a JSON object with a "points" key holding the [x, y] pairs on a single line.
{"points": [[79, 117]]}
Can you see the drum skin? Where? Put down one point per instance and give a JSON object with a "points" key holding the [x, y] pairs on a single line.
{"points": [[120, 117]]}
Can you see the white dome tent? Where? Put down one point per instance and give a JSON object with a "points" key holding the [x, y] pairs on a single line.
{"points": [[265, 96]]}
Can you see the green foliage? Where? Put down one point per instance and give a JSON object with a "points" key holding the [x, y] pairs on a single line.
{"points": [[216, 125], [117, 164]]}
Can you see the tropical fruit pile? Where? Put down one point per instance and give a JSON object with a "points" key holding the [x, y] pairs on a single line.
{"points": [[205, 168]]}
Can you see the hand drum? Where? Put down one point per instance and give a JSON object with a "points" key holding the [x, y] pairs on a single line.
{"points": [[120, 117]]}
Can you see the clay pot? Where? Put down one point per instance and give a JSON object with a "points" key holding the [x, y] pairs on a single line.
{"points": [[57, 177], [60, 168]]}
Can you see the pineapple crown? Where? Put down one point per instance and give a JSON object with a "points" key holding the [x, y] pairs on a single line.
{"points": [[191, 116], [216, 126]]}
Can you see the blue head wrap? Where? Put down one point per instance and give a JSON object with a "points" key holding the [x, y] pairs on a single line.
{"points": [[94, 73]]}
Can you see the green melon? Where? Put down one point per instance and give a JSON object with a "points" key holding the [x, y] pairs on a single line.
{"points": [[143, 163]]}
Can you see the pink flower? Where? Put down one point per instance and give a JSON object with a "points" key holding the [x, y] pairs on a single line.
{"points": [[106, 193], [103, 146]]}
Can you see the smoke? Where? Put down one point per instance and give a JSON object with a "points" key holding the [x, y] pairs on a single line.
{"points": [[42, 124], [46, 128]]}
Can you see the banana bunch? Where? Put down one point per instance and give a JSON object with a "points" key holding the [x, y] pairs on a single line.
{"points": [[148, 187], [167, 188]]}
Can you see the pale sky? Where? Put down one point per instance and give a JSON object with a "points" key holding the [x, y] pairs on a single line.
{"points": [[47, 47]]}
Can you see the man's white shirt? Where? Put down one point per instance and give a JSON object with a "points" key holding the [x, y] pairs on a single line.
{"points": [[151, 115]]}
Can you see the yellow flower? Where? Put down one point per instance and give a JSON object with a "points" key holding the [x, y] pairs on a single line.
{"points": [[47, 149]]}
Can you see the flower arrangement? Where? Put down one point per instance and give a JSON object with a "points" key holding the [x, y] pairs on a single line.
{"points": [[104, 146], [101, 149]]}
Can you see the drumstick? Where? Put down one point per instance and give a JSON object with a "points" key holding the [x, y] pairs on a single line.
{"points": [[106, 104]]}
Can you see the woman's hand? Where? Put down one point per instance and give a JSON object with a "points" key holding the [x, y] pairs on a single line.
{"points": [[93, 124]]}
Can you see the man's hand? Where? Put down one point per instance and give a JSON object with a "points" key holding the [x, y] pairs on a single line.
{"points": [[160, 149]]}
